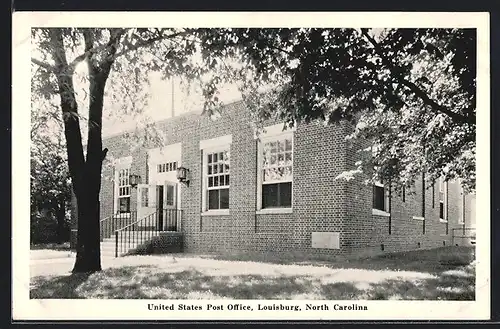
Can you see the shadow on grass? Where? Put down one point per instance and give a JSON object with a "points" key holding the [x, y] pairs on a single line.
{"points": [[432, 261], [143, 282], [57, 287]]}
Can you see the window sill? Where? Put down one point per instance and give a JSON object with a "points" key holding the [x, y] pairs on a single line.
{"points": [[224, 212], [443, 220], [418, 218], [379, 212], [274, 211]]}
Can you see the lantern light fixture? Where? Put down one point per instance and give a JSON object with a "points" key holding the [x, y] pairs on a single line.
{"points": [[182, 175], [134, 180]]}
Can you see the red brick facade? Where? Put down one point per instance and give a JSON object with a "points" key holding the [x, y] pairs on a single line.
{"points": [[320, 203]]}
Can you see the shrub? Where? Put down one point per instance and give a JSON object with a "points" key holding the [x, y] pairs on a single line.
{"points": [[44, 229]]}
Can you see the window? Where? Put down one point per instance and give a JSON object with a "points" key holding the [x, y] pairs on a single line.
{"points": [[144, 197], [421, 211], [433, 194], [166, 167], [443, 200], [123, 190], [216, 174], [276, 170], [121, 194], [461, 213], [380, 199], [169, 195]]}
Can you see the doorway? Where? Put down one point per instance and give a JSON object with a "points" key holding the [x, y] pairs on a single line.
{"points": [[159, 207]]}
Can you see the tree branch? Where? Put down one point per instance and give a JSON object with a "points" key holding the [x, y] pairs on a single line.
{"points": [[457, 117], [46, 66], [148, 42]]}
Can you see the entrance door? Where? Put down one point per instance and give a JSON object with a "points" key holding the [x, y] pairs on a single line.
{"points": [[170, 206], [146, 204]]}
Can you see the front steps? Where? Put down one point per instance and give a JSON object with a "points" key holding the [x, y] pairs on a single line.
{"points": [[143, 244]]}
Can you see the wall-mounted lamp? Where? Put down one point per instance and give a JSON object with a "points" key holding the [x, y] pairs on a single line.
{"points": [[182, 175], [134, 180]]}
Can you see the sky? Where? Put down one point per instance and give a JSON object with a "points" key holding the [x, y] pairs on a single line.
{"points": [[160, 105]]}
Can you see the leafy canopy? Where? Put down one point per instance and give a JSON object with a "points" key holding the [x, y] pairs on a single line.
{"points": [[410, 92]]}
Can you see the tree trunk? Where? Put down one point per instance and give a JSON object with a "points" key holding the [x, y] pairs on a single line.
{"points": [[88, 251], [85, 173]]}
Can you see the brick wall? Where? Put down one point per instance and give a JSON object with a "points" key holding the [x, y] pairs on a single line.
{"points": [[366, 232], [320, 203]]}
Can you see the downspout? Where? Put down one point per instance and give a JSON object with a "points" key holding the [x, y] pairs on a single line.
{"points": [[203, 189], [463, 212], [390, 209], [423, 202], [446, 205]]}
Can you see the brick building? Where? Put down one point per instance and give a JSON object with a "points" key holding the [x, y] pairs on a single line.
{"points": [[275, 194]]}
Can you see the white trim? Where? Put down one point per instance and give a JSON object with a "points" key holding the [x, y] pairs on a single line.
{"points": [[461, 211], [219, 144], [274, 130], [444, 185], [387, 199], [216, 142], [379, 212], [418, 218], [166, 153], [218, 212], [274, 211], [120, 164]]}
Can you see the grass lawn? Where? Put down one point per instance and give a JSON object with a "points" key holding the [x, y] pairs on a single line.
{"points": [[437, 274]]}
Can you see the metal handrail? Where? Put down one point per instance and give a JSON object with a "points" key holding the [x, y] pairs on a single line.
{"points": [[148, 226], [104, 219], [136, 222], [109, 224]]}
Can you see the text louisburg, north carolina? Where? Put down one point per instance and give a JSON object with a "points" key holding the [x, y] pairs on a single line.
{"points": [[259, 307]]}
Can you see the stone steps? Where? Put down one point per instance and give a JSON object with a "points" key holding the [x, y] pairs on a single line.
{"points": [[128, 243], [148, 243]]}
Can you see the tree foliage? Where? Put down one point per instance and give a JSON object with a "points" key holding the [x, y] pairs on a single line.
{"points": [[50, 183], [125, 57], [410, 92]]}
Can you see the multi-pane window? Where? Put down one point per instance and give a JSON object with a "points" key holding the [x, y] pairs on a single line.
{"points": [[442, 199], [277, 172], [217, 179], [166, 167], [123, 190]]}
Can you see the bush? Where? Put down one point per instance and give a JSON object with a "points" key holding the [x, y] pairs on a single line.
{"points": [[44, 229]]}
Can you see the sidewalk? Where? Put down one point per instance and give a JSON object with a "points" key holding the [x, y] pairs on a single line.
{"points": [[50, 254]]}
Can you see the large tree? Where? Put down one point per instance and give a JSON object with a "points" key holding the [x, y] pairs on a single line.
{"points": [[116, 53], [409, 92]]}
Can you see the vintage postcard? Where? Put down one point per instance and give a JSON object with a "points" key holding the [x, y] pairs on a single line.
{"points": [[251, 166]]}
